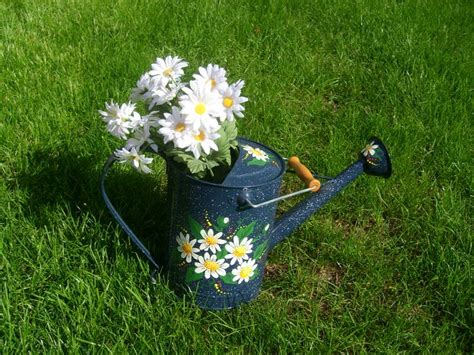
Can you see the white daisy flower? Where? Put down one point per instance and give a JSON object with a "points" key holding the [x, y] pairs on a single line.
{"points": [[140, 137], [238, 250], [213, 76], [138, 161], [232, 100], [211, 266], [120, 119], [144, 85], [256, 153], [369, 149], [203, 140], [168, 69], [175, 129], [186, 247], [201, 107], [244, 271], [161, 94], [210, 241]]}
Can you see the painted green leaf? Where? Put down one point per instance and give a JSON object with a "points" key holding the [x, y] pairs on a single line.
{"points": [[257, 162], [195, 227], [221, 254], [245, 231], [227, 278], [259, 251], [192, 275], [220, 225]]}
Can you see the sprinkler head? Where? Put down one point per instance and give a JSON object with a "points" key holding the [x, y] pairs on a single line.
{"points": [[376, 159]]}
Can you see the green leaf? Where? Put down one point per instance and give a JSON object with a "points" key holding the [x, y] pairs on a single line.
{"points": [[196, 166], [260, 250], [195, 227], [257, 162], [245, 231], [227, 278], [192, 275], [222, 253], [220, 225], [230, 129]]}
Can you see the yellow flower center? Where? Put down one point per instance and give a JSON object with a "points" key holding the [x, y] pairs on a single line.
{"points": [[200, 137], [245, 272], [239, 251], [228, 102], [187, 248], [167, 72], [257, 153], [180, 127], [200, 108], [211, 240], [211, 265], [213, 83]]}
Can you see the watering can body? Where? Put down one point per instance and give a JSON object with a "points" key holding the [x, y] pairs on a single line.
{"points": [[220, 234]]}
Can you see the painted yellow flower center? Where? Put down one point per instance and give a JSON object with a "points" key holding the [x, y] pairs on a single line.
{"points": [[180, 127], [200, 137], [368, 148], [239, 251], [167, 72], [211, 265], [245, 272], [228, 102], [187, 248], [257, 153], [200, 108], [213, 83], [211, 240]]}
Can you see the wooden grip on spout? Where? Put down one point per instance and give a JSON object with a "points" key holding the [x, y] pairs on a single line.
{"points": [[304, 174]]}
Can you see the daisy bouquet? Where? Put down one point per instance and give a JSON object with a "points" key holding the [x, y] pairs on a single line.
{"points": [[192, 123]]}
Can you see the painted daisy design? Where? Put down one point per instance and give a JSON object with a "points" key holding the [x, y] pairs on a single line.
{"points": [[174, 128], [210, 241], [202, 140], [168, 69], [213, 76], [186, 247], [257, 153], [238, 250], [232, 100], [201, 107], [138, 161], [369, 149], [211, 266], [244, 271]]}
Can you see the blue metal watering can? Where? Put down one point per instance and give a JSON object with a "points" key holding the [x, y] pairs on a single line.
{"points": [[220, 234]]}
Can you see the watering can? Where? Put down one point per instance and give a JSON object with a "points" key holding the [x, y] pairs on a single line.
{"points": [[220, 234]]}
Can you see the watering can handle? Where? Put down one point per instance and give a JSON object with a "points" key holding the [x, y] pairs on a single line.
{"points": [[117, 216], [304, 174]]}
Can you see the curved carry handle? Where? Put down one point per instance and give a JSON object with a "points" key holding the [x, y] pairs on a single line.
{"points": [[304, 174], [118, 218]]}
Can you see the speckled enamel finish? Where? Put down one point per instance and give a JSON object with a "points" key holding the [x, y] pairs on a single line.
{"points": [[206, 204], [200, 210]]}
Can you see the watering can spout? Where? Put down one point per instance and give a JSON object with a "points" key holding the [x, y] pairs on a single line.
{"points": [[373, 160]]}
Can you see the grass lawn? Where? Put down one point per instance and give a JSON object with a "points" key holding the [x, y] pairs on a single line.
{"points": [[385, 267]]}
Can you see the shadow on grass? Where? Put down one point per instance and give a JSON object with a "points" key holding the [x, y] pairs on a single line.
{"points": [[60, 180]]}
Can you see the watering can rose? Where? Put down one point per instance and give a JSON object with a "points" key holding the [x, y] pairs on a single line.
{"points": [[192, 122]]}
